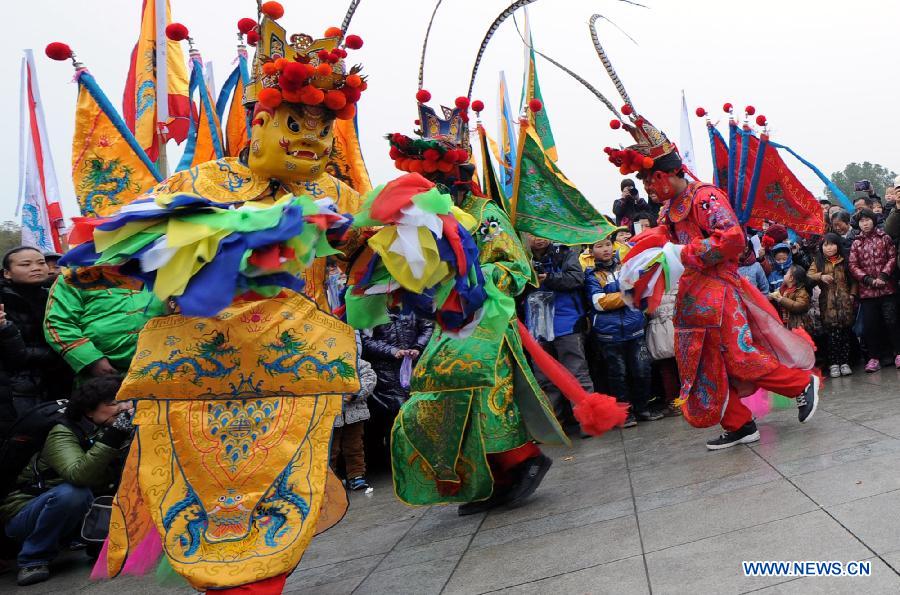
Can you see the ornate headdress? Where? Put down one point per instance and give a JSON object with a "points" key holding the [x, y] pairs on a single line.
{"points": [[443, 139], [301, 69]]}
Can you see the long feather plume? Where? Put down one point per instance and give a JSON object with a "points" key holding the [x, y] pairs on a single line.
{"points": [[574, 75], [425, 44], [490, 33], [606, 63], [351, 10]]}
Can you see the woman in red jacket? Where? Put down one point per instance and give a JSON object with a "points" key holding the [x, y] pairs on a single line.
{"points": [[873, 257]]}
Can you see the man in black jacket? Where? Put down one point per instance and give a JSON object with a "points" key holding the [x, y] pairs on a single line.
{"points": [[40, 375], [388, 345], [562, 285], [629, 205]]}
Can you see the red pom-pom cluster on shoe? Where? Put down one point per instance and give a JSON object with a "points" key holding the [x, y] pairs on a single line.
{"points": [[424, 156], [317, 79]]}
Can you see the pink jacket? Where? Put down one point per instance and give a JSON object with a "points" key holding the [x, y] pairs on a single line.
{"points": [[873, 256]]}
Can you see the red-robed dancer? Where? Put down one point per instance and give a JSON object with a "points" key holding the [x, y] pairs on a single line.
{"points": [[729, 341]]}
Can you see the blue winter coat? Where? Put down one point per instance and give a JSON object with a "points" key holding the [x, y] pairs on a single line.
{"points": [[566, 280], [614, 320], [776, 277]]}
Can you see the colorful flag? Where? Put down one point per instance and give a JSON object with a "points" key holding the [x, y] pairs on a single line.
{"points": [[109, 167], [531, 89], [38, 191], [204, 141], [237, 122], [547, 204], [507, 138], [346, 163], [488, 173], [139, 104], [686, 139]]}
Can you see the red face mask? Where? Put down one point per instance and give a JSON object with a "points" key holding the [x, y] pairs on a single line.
{"points": [[660, 184]]}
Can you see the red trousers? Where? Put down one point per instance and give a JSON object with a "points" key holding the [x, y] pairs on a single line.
{"points": [[269, 586], [785, 381]]}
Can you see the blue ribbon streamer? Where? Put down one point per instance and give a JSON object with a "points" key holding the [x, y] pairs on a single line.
{"points": [[754, 180], [90, 84], [845, 202], [742, 212], [197, 83], [732, 157]]}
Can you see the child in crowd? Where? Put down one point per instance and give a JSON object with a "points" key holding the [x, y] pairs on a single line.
{"points": [[792, 299], [873, 258], [780, 261], [347, 443], [618, 332], [620, 241], [831, 272], [751, 270]]}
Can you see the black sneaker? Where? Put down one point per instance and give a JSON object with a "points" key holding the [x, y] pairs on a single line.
{"points": [[32, 575], [808, 400], [530, 474], [630, 421], [499, 497], [743, 435], [649, 415]]}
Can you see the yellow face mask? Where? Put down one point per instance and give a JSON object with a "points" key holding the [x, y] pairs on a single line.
{"points": [[292, 144]]}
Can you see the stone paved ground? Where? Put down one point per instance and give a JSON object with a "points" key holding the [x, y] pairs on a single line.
{"points": [[643, 510]]}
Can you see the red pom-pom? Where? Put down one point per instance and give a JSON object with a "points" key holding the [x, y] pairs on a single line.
{"points": [[322, 55], [353, 95], [417, 122], [700, 112], [324, 70], [431, 155], [311, 95], [627, 110], [615, 124], [354, 42], [429, 167], [423, 96], [270, 98], [535, 105], [478, 106], [246, 25], [346, 113], [253, 37], [395, 153], [58, 51], [334, 32], [273, 10], [607, 150], [727, 108], [462, 103], [335, 100], [445, 167], [339, 52], [750, 110], [176, 32], [761, 120], [647, 162]]}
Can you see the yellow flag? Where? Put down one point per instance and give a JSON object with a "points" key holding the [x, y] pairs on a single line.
{"points": [[109, 170], [346, 161]]}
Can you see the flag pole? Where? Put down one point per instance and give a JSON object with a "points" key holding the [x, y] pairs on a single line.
{"points": [[162, 82], [517, 174]]}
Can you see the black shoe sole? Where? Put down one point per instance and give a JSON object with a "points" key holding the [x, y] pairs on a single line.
{"points": [[748, 439]]}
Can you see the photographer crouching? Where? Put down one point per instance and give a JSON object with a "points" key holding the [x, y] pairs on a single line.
{"points": [[77, 462]]}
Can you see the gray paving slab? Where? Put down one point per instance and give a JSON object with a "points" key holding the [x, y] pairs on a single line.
{"points": [[637, 508]]}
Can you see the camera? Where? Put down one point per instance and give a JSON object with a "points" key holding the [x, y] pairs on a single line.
{"points": [[538, 267], [862, 186], [633, 192]]}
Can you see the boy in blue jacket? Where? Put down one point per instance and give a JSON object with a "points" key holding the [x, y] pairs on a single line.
{"points": [[618, 331]]}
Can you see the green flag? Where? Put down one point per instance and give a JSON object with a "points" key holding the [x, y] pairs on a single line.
{"points": [[548, 205], [531, 89]]}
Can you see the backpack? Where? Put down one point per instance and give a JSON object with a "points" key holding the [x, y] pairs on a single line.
{"points": [[25, 438]]}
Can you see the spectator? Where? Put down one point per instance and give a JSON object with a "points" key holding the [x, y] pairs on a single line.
{"points": [[347, 444], [93, 319], [826, 207], [873, 258], [628, 205], [618, 330], [792, 299], [562, 280], [661, 346], [385, 348], [831, 271], [780, 261], [644, 221], [41, 375], [12, 349], [890, 197], [76, 463], [840, 224], [52, 260], [751, 270]]}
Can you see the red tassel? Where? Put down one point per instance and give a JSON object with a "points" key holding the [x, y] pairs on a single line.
{"points": [[596, 413]]}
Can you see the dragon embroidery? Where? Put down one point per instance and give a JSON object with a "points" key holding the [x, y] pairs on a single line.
{"points": [[204, 360], [270, 515], [103, 182], [294, 356]]}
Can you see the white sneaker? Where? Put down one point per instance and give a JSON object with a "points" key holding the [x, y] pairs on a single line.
{"points": [[846, 370], [834, 371]]}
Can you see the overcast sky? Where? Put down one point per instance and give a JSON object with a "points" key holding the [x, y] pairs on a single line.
{"points": [[824, 73]]}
